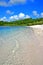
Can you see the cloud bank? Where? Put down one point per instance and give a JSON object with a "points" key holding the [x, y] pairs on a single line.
{"points": [[15, 17], [20, 16]]}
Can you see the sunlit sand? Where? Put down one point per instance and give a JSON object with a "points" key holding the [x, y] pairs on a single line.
{"points": [[24, 48]]}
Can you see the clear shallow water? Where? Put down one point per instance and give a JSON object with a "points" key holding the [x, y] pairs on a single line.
{"points": [[20, 46], [9, 30]]}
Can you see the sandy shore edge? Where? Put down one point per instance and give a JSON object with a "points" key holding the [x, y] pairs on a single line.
{"points": [[36, 26]]}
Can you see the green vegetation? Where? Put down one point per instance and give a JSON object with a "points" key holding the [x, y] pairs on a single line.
{"points": [[25, 22]]}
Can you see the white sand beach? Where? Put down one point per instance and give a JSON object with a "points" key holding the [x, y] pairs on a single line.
{"points": [[25, 48], [37, 26]]}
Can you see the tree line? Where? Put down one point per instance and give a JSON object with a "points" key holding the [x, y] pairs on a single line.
{"points": [[24, 22]]}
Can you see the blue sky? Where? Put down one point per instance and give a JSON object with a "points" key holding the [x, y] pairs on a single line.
{"points": [[20, 9]]}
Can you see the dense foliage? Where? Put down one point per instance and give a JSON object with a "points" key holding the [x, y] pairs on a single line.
{"points": [[25, 22]]}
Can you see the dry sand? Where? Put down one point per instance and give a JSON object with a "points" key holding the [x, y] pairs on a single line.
{"points": [[27, 50]]}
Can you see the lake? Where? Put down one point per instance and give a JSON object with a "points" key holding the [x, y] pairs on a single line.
{"points": [[21, 46]]}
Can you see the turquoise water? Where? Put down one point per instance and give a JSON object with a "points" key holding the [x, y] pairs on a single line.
{"points": [[8, 30]]}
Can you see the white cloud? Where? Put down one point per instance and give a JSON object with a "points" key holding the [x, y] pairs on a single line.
{"points": [[9, 12], [27, 16], [42, 14], [35, 13], [11, 2], [23, 16], [19, 16], [17, 1], [15, 17], [3, 19], [3, 3]]}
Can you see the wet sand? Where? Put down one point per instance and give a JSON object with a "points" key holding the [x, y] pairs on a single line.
{"points": [[25, 48]]}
